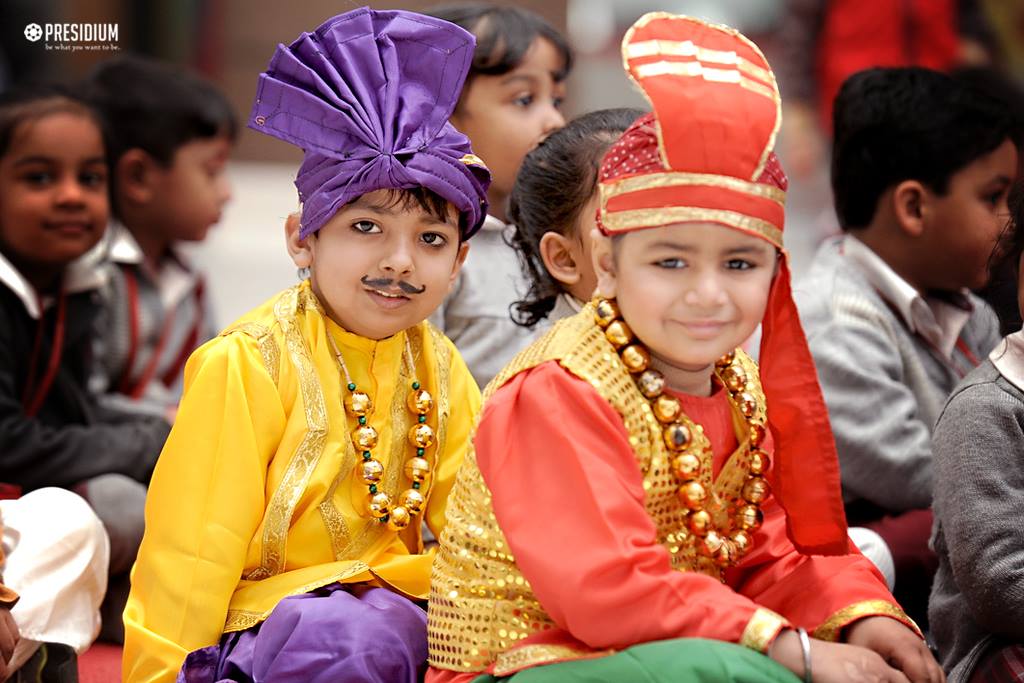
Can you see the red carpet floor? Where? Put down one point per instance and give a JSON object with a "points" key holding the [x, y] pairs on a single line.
{"points": [[101, 663]]}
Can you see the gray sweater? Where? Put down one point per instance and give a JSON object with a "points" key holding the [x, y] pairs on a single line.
{"points": [[883, 385], [978, 594]]}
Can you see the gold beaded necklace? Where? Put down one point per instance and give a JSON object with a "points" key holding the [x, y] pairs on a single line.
{"points": [[421, 436], [724, 547]]}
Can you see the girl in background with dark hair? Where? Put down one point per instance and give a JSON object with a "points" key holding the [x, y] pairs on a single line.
{"points": [[511, 101], [552, 206], [976, 604]]}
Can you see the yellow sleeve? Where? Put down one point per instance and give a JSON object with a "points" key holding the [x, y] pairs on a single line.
{"points": [[205, 503], [464, 407]]}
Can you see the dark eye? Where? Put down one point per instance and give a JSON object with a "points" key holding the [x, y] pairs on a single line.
{"points": [[366, 227], [738, 264], [523, 101], [558, 102], [996, 198], [671, 263], [93, 179], [38, 178], [434, 239]]}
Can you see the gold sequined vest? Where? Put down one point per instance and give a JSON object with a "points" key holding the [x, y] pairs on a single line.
{"points": [[481, 606]]}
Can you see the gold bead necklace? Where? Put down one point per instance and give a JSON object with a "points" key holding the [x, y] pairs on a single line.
{"points": [[371, 472], [725, 547]]}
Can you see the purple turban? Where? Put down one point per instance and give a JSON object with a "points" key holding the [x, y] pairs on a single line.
{"points": [[367, 97]]}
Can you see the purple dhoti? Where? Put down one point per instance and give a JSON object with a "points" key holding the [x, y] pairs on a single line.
{"points": [[336, 633]]}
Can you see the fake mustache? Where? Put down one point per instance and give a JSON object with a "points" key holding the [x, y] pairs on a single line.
{"points": [[386, 282]]}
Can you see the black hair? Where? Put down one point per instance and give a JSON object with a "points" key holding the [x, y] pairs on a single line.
{"points": [[554, 183], [503, 36], [1004, 266], [157, 107], [1001, 290], [27, 103], [1011, 240], [424, 199], [906, 123], [999, 86]]}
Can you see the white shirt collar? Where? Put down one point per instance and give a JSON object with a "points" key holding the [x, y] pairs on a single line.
{"points": [[177, 276], [124, 248], [937, 321], [1008, 357], [573, 304], [492, 223], [83, 274], [122, 245]]}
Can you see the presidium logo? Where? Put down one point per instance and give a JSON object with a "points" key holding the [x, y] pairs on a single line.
{"points": [[74, 37]]}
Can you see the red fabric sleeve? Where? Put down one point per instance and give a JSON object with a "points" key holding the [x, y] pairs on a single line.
{"points": [[844, 587], [569, 498]]}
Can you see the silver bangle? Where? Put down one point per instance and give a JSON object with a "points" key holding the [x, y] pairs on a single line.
{"points": [[805, 645]]}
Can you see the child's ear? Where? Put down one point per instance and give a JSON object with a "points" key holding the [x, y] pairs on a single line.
{"points": [[557, 254], [460, 258], [604, 263], [300, 250], [136, 173], [909, 204]]}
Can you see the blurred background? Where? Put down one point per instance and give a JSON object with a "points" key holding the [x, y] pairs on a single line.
{"points": [[810, 43]]}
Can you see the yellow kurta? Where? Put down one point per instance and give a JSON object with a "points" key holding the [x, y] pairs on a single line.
{"points": [[254, 497]]}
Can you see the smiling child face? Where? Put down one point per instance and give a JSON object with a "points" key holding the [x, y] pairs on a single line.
{"points": [[382, 264]]}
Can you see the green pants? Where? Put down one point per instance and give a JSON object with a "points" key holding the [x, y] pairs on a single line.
{"points": [[683, 660]]}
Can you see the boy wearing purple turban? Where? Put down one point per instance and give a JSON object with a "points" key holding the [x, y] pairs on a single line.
{"points": [[319, 431]]}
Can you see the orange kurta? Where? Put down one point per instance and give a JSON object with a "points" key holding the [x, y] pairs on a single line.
{"points": [[569, 498]]}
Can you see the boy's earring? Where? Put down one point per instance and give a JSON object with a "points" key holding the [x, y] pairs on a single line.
{"points": [[304, 272]]}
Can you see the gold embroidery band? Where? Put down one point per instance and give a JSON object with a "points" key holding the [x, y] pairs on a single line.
{"points": [[681, 179], [240, 620], [832, 627], [694, 69], [510, 662], [686, 48], [277, 519], [622, 221], [762, 629]]}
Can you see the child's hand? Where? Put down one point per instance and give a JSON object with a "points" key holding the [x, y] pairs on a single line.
{"points": [[834, 662], [898, 645]]}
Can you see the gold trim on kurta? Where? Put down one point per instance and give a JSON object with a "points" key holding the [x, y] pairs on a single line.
{"points": [[239, 620], [832, 628], [337, 529], [508, 663], [444, 370], [687, 48], [278, 516], [632, 219], [265, 341], [762, 629]]}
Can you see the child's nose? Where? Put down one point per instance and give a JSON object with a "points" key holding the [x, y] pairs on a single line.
{"points": [[223, 191], [69, 191], [553, 120], [706, 291], [398, 261]]}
